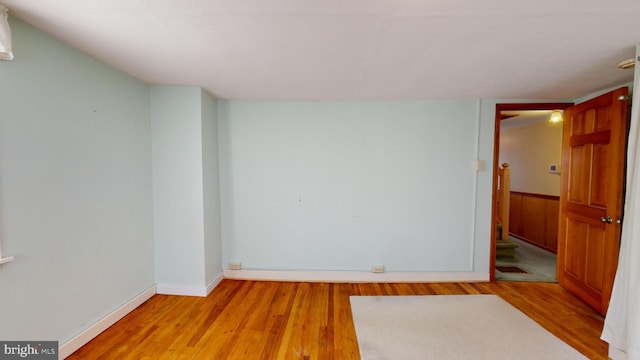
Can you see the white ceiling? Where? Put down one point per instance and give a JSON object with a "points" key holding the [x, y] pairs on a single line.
{"points": [[354, 49]]}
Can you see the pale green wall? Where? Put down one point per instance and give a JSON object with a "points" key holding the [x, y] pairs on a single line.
{"points": [[177, 186], [211, 190], [346, 185], [185, 189], [75, 189]]}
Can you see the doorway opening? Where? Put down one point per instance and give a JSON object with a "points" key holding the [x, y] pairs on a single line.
{"points": [[528, 151]]}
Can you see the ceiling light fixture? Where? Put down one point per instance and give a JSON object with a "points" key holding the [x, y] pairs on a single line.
{"points": [[556, 117], [5, 35], [627, 64]]}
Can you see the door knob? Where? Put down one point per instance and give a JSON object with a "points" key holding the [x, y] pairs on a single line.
{"points": [[607, 220]]}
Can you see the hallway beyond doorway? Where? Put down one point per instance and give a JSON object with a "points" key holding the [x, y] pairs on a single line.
{"points": [[539, 264]]}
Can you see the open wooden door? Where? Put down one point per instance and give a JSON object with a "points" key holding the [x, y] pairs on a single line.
{"points": [[593, 161]]}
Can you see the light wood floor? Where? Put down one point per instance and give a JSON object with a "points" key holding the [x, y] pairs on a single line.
{"points": [[277, 320]]}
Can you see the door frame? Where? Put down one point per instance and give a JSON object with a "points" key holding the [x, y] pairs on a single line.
{"points": [[496, 157]]}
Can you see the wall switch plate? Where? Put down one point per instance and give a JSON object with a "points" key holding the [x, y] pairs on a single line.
{"points": [[479, 165], [235, 265], [377, 269], [554, 169]]}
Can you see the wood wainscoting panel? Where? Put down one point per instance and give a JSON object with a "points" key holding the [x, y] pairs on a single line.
{"points": [[515, 213], [534, 218], [551, 211]]}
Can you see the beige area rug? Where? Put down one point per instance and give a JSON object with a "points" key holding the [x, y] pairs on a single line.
{"points": [[450, 327]]}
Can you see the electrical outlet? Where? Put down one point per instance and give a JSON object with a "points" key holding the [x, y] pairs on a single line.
{"points": [[235, 265], [377, 269]]}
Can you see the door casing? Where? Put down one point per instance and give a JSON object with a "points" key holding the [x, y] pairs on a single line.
{"points": [[496, 158]]}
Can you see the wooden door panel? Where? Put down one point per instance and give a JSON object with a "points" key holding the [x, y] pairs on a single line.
{"points": [[594, 140], [584, 271], [577, 191], [603, 119], [579, 124], [595, 247], [599, 176], [574, 255]]}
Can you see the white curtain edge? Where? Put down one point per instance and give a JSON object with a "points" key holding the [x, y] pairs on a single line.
{"points": [[622, 322], [6, 50]]}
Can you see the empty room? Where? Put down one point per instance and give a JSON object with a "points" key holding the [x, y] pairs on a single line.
{"points": [[318, 179]]}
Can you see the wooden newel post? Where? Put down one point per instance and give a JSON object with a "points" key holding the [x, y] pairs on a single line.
{"points": [[505, 197]]}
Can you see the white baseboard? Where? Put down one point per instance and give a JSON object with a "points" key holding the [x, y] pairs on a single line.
{"points": [[186, 290], [355, 276], [617, 354], [215, 282], [94, 330], [182, 290]]}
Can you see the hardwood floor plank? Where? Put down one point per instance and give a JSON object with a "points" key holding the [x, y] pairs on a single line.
{"points": [[274, 340], [347, 339], [290, 346], [211, 310], [288, 320], [327, 335], [281, 305]]}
